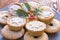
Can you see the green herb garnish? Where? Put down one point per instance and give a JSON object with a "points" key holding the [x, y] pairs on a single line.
{"points": [[37, 11], [20, 13], [27, 6]]}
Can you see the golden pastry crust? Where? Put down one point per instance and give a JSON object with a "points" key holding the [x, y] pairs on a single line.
{"points": [[46, 18], [53, 27], [35, 28], [46, 8], [44, 36], [16, 23], [7, 33], [38, 33], [13, 7], [4, 15]]}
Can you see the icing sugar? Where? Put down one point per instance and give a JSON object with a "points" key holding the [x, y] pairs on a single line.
{"points": [[33, 4], [46, 8], [15, 7], [46, 14], [16, 21], [35, 26]]}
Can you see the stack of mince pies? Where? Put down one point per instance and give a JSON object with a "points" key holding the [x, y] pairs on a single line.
{"points": [[30, 20], [14, 29], [35, 31]]}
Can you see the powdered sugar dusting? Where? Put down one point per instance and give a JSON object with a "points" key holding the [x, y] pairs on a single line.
{"points": [[46, 14], [15, 7], [33, 4], [17, 21], [35, 26]]}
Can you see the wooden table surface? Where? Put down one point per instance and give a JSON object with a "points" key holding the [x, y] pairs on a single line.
{"points": [[55, 36]]}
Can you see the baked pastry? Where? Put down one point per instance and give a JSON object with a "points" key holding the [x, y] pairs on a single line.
{"points": [[46, 8], [35, 28], [7, 33], [3, 17], [46, 16], [16, 23], [13, 7], [53, 27], [29, 6], [44, 36]]}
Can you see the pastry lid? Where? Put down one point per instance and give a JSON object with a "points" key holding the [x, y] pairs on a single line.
{"points": [[16, 21], [35, 26], [46, 14]]}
